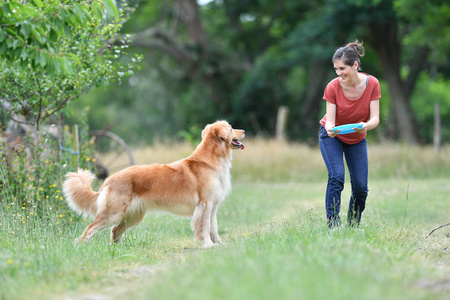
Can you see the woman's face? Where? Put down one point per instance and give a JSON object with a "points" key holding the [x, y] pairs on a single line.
{"points": [[344, 71]]}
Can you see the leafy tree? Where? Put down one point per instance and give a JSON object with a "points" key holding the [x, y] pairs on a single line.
{"points": [[51, 52], [241, 60]]}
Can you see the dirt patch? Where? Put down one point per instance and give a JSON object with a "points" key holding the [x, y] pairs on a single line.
{"points": [[117, 283]]}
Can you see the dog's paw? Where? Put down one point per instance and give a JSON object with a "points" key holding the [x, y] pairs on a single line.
{"points": [[217, 241], [208, 244]]}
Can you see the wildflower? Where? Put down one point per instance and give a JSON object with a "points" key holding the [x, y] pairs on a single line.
{"points": [[94, 160], [10, 261], [26, 264], [54, 185], [60, 216], [46, 197], [88, 159]]}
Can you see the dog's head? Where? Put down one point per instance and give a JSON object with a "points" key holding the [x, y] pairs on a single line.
{"points": [[222, 132]]}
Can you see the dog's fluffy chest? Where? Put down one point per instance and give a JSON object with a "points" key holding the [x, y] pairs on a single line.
{"points": [[223, 183]]}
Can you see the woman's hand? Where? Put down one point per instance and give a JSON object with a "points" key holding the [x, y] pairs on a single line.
{"points": [[361, 130], [331, 133]]}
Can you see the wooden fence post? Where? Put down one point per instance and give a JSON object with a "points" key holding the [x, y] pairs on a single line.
{"points": [[437, 129], [76, 142], [281, 123]]}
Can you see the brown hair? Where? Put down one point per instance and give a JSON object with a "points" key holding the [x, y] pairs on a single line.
{"points": [[350, 53]]}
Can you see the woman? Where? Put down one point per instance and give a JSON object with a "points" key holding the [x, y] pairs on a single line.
{"points": [[352, 97]]}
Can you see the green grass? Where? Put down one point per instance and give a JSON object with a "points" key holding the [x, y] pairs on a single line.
{"points": [[278, 245]]}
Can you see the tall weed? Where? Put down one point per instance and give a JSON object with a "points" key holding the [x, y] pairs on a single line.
{"points": [[32, 169]]}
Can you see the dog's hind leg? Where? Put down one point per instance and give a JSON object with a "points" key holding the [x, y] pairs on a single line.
{"points": [[101, 220], [111, 211], [214, 227], [201, 223], [127, 222]]}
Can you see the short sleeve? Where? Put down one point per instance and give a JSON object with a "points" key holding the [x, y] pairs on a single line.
{"points": [[330, 92], [376, 91]]}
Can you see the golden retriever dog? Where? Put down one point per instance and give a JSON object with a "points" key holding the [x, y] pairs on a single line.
{"points": [[192, 187]]}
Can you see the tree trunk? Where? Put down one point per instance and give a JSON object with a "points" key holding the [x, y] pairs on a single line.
{"points": [[188, 12], [318, 71], [388, 52]]}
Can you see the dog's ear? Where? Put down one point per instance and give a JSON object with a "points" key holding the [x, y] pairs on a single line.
{"points": [[222, 133], [205, 131]]}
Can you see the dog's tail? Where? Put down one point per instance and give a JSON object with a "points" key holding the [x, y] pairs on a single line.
{"points": [[79, 194]]}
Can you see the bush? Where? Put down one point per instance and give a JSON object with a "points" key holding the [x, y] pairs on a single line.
{"points": [[31, 175]]}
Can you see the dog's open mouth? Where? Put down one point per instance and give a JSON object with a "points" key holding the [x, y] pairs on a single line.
{"points": [[238, 145]]}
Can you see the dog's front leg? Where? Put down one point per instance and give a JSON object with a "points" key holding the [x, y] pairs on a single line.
{"points": [[214, 227], [201, 223]]}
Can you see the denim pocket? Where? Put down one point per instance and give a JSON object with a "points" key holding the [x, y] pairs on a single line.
{"points": [[322, 132]]}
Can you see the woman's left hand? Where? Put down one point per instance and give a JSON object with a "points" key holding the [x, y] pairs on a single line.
{"points": [[361, 130]]}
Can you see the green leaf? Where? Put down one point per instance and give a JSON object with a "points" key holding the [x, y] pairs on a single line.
{"points": [[2, 48], [11, 31], [53, 35], [25, 29], [111, 9], [79, 12], [2, 35], [38, 3], [86, 13], [67, 65], [6, 9], [42, 59], [36, 34], [67, 31], [58, 65], [97, 10], [15, 43], [24, 54]]}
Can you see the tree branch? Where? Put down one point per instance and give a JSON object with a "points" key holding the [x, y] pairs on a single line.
{"points": [[416, 66], [164, 43], [38, 119]]}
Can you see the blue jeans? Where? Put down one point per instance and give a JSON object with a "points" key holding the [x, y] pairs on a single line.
{"points": [[333, 152]]}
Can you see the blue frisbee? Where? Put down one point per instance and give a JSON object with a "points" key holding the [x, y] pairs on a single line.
{"points": [[347, 128]]}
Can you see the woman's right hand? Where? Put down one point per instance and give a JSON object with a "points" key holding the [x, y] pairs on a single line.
{"points": [[331, 133]]}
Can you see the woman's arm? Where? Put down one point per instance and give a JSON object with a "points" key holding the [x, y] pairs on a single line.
{"points": [[331, 119], [374, 118]]}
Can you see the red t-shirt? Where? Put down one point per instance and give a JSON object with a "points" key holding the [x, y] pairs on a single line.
{"points": [[351, 111]]}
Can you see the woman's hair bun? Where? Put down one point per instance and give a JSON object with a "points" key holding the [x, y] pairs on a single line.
{"points": [[358, 46]]}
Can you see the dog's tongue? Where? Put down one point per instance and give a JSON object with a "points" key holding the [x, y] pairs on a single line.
{"points": [[238, 144]]}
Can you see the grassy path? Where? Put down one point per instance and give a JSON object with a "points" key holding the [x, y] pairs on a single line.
{"points": [[277, 248]]}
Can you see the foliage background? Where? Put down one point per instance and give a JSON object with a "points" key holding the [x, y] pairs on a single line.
{"points": [[261, 55]]}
